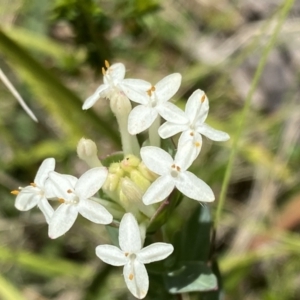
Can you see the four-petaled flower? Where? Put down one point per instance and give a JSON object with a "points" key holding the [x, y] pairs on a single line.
{"points": [[132, 256], [195, 114], [74, 194], [112, 77], [173, 173], [35, 193], [153, 102]]}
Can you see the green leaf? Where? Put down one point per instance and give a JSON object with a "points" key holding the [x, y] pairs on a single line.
{"points": [[195, 237], [191, 276], [164, 211]]}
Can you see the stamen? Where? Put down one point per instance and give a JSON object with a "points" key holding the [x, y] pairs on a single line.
{"points": [[69, 191], [203, 98], [130, 276], [178, 168], [173, 166], [191, 133], [15, 192], [126, 254], [106, 64], [33, 184], [103, 71], [61, 200], [152, 89], [197, 144]]}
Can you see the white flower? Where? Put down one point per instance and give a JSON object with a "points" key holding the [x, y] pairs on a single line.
{"points": [[35, 193], [111, 79], [195, 114], [153, 102], [173, 173], [132, 256], [74, 194]]}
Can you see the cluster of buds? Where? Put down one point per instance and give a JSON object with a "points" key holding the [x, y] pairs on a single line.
{"points": [[137, 182]]}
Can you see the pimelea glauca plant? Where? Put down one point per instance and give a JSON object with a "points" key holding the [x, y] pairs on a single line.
{"points": [[136, 191]]}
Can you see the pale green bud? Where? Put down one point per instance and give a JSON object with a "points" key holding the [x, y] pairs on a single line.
{"points": [[130, 162], [111, 182], [137, 177], [87, 151], [116, 168], [146, 172]]}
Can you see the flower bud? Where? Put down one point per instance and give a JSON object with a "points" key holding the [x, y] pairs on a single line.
{"points": [[87, 151]]}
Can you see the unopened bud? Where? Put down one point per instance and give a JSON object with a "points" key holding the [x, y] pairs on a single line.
{"points": [[87, 151], [137, 177], [130, 162], [146, 172]]}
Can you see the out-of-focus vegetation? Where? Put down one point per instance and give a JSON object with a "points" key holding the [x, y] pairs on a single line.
{"points": [[53, 52]]}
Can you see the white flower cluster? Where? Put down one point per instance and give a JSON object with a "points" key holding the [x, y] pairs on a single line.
{"points": [[147, 175]]}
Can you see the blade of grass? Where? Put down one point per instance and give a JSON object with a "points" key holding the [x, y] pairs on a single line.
{"points": [[266, 51], [57, 99], [45, 266], [8, 291]]}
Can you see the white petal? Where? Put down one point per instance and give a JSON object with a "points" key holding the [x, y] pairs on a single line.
{"points": [[195, 103], [90, 182], [136, 90], [94, 212], [154, 252], [60, 185], [156, 159], [172, 113], [116, 71], [213, 134], [90, 101], [141, 118], [193, 187], [136, 279], [166, 88], [160, 189], [47, 166], [202, 111], [111, 255], [62, 220], [169, 129], [46, 209], [129, 234], [188, 149], [28, 198]]}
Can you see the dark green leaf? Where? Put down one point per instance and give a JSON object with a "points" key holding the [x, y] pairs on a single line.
{"points": [[191, 276]]}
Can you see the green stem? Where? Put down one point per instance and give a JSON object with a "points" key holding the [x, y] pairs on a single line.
{"points": [[266, 51], [154, 138]]}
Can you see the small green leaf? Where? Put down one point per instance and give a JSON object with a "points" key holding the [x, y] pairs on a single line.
{"points": [[191, 276], [163, 212], [195, 236]]}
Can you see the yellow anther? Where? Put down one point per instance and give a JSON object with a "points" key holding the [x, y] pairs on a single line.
{"points": [[15, 192], [61, 200], [103, 71], [33, 184], [197, 144], [130, 276], [106, 64], [203, 98], [152, 89]]}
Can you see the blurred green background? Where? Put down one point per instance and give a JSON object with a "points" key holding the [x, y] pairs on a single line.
{"points": [[53, 52]]}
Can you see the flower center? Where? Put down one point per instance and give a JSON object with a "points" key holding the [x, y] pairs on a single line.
{"points": [[174, 171]]}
